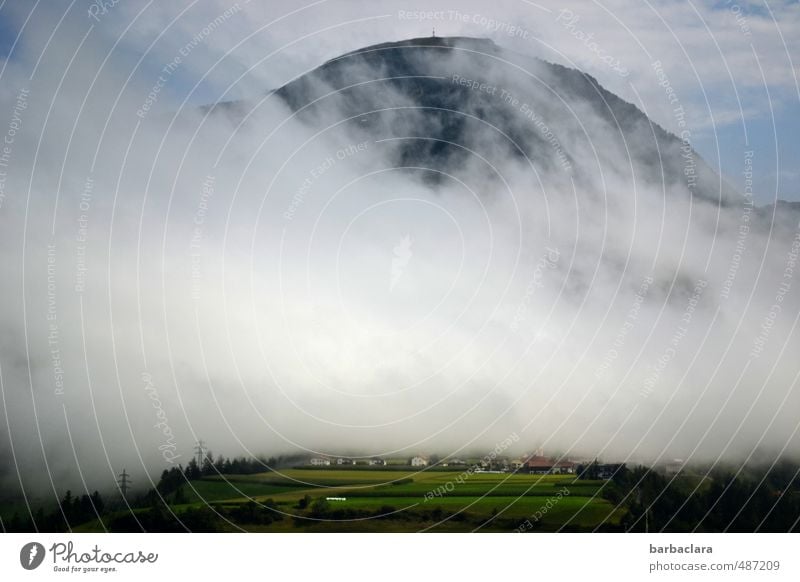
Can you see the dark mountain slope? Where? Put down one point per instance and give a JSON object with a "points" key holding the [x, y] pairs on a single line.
{"points": [[477, 96]]}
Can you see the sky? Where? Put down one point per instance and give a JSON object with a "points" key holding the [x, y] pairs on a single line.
{"points": [[271, 286]]}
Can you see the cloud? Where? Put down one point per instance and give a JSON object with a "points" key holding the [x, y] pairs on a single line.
{"points": [[175, 272]]}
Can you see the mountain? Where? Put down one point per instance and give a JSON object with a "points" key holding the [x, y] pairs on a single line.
{"points": [[444, 101]]}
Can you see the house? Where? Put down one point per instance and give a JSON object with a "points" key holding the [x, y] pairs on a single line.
{"points": [[419, 461], [564, 468], [540, 465], [674, 467], [595, 470], [345, 461], [517, 464], [376, 461], [319, 461], [607, 470], [497, 464]]}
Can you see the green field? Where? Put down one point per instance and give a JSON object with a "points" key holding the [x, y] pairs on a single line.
{"points": [[397, 499], [392, 500]]}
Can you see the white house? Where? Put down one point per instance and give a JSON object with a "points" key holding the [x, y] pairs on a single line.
{"points": [[674, 467], [419, 461], [319, 461]]}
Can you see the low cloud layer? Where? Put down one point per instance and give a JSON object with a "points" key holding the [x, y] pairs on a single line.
{"points": [[273, 281]]}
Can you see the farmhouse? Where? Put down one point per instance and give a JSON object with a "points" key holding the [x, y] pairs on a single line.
{"points": [[540, 465], [496, 464], [454, 462], [674, 467], [419, 461]]}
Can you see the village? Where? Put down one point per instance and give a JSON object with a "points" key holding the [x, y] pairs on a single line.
{"points": [[536, 463]]}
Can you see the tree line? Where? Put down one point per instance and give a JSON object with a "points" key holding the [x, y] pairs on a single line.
{"points": [[764, 499], [73, 510]]}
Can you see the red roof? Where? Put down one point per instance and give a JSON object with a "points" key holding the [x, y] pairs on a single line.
{"points": [[539, 462]]}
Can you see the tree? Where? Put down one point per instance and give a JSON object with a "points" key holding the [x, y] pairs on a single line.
{"points": [[40, 520], [97, 502], [66, 503], [66, 508], [208, 464], [320, 507], [15, 525], [192, 470], [84, 509]]}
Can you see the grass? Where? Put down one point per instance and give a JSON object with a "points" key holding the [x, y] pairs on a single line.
{"points": [[512, 506], [211, 490], [478, 496], [487, 501]]}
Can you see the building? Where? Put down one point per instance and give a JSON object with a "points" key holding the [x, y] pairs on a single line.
{"points": [[419, 461], [345, 461], [595, 470], [540, 465], [496, 464], [674, 467], [564, 468], [376, 461], [319, 462], [608, 470]]}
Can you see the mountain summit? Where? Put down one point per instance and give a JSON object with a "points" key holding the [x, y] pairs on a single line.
{"points": [[442, 101]]}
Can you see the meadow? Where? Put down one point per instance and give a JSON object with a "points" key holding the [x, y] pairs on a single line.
{"points": [[402, 500]]}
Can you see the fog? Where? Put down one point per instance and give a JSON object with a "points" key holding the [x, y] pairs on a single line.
{"points": [[274, 283]]}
